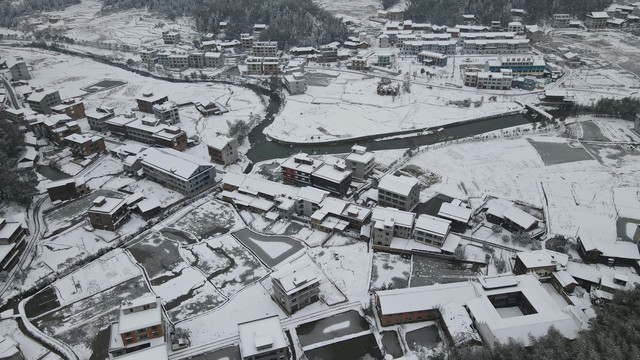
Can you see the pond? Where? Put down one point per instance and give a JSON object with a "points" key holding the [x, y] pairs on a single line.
{"points": [[391, 344], [426, 337], [52, 173], [429, 270], [270, 249], [330, 328], [363, 347]]}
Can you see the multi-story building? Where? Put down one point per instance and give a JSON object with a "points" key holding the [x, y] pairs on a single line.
{"points": [[42, 101], [83, 145], [496, 46], [309, 200], [19, 71], [167, 112], [328, 53], [596, 20], [213, 59], [358, 63], [118, 125], [147, 100], [222, 150], [148, 55], [431, 230], [270, 66], [492, 80], [295, 83], [333, 178], [384, 59], [447, 47], [541, 262], [10, 349], [432, 58], [170, 137], [177, 61], [457, 213], [295, 285], [58, 127], [264, 48], [177, 171], [140, 326], [520, 65], [388, 223], [12, 243], [142, 130], [71, 108], [360, 162], [263, 339], [107, 213], [196, 60], [561, 20], [97, 118], [162, 57], [246, 40], [67, 189], [486, 36], [171, 37], [336, 215], [516, 27], [400, 192], [297, 169]]}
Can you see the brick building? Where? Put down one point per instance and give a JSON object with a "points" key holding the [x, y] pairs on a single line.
{"points": [[223, 151], [140, 326], [108, 213], [71, 108], [83, 145], [12, 243], [67, 189]]}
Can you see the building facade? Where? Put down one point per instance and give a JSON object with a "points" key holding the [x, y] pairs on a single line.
{"points": [[108, 213], [140, 326], [82, 145], [223, 151], [12, 243], [42, 101], [295, 286], [360, 162], [71, 108], [177, 171], [400, 192], [67, 189], [147, 100]]}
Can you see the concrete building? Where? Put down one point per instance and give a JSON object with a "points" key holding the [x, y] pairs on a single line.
{"points": [[360, 162], [19, 71], [264, 48], [447, 47], [83, 145], [171, 37], [520, 65], [400, 192], [70, 107], [97, 118], [516, 220], [388, 223], [335, 178], [296, 285], [384, 59], [140, 328], [295, 83], [561, 20], [67, 189], [431, 58], [596, 20], [541, 262], [177, 171], [196, 59], [246, 40], [458, 214], [12, 243], [488, 80], [222, 150], [431, 230], [297, 169], [309, 200], [10, 349], [42, 101], [337, 215], [166, 112], [263, 339], [107, 213], [213, 59], [148, 99], [516, 27], [148, 55], [497, 46], [58, 127], [177, 61]]}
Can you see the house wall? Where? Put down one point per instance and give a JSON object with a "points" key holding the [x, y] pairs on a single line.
{"points": [[110, 222], [298, 300], [64, 192]]}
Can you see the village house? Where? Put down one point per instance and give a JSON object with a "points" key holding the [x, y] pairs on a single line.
{"points": [[171, 37], [10, 349], [295, 285], [607, 251], [541, 262], [166, 112], [246, 40], [360, 162], [222, 150], [561, 20], [83, 145], [388, 223], [295, 83], [67, 189], [430, 58], [446, 47], [118, 125], [70, 107], [19, 71], [12, 243], [297, 169], [333, 178], [400, 192], [562, 281], [515, 27], [140, 326], [148, 55], [177, 61], [42, 101], [58, 127], [596, 20], [431, 230], [97, 118], [196, 58], [517, 220], [336, 215], [107, 213], [263, 339], [309, 200], [147, 100], [457, 213], [264, 48], [177, 171], [496, 46], [213, 59]]}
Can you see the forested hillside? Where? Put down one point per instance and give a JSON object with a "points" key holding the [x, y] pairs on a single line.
{"points": [[299, 22], [449, 12], [10, 10]]}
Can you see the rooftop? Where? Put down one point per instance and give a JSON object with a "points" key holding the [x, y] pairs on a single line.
{"points": [[171, 161], [329, 172], [140, 319], [454, 212], [424, 297], [83, 138], [402, 218], [296, 275], [38, 96], [261, 335], [219, 142], [433, 225], [400, 185], [520, 217], [109, 206], [543, 258]]}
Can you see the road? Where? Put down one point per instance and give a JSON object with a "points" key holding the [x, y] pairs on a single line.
{"points": [[12, 94]]}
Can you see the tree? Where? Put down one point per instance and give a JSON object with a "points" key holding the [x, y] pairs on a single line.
{"points": [[130, 62], [497, 229], [459, 253], [388, 3]]}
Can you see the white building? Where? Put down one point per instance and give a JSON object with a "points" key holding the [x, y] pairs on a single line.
{"points": [[167, 112], [213, 59], [516, 27], [295, 83], [171, 37], [431, 230], [140, 326], [388, 223], [296, 285], [496, 46], [263, 339], [400, 192], [177, 171], [265, 48], [360, 161]]}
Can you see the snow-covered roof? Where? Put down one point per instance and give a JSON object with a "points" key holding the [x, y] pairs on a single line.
{"points": [[296, 276], [219, 142], [450, 243], [330, 173], [255, 185], [546, 313], [598, 15], [77, 181], [82, 138], [143, 318], [432, 225], [399, 217], [30, 154], [150, 97], [148, 205], [119, 121], [304, 163], [109, 206], [158, 352], [608, 248], [520, 217], [38, 96], [171, 161], [248, 200], [584, 272], [361, 157], [497, 282], [340, 208], [421, 298], [400, 185], [564, 278], [312, 195], [542, 258], [454, 212], [8, 347], [259, 336], [459, 324], [431, 54]]}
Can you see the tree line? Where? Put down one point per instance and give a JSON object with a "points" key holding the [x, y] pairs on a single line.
{"points": [[17, 185], [449, 12], [10, 11]]}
